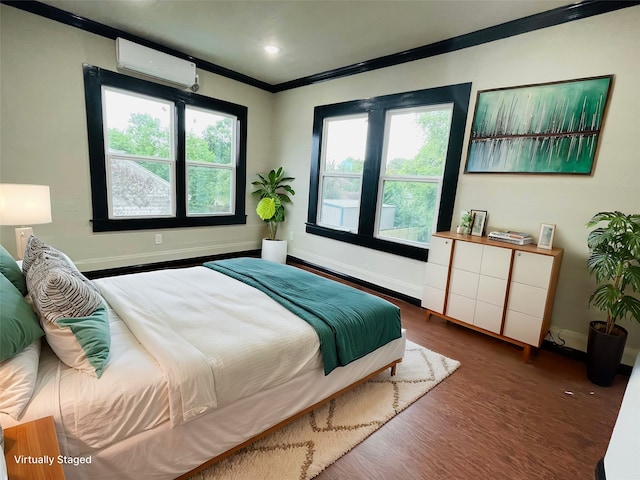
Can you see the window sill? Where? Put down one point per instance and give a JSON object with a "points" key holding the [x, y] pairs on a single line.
{"points": [[106, 225]]}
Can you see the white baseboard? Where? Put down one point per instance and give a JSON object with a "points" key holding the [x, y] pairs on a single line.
{"points": [[578, 341]]}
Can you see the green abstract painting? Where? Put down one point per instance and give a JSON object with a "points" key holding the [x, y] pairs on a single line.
{"points": [[545, 128]]}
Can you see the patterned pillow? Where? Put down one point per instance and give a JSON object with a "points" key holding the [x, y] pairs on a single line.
{"points": [[72, 311], [56, 286], [38, 251], [57, 292], [32, 251]]}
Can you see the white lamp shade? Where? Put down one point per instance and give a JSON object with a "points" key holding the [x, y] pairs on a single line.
{"points": [[24, 204]]}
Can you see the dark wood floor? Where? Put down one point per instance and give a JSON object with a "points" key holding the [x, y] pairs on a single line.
{"points": [[495, 418]]}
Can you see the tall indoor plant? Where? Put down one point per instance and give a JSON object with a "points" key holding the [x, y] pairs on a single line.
{"points": [[273, 191], [614, 259]]}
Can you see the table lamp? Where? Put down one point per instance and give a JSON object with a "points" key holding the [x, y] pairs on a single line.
{"points": [[24, 205]]}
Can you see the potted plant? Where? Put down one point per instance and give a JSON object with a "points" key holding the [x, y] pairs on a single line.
{"points": [[273, 192], [614, 259]]}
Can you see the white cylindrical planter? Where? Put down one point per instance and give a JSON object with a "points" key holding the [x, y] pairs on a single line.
{"points": [[274, 250]]}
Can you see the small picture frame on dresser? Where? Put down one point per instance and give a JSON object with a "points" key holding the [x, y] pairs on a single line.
{"points": [[547, 232], [479, 221]]}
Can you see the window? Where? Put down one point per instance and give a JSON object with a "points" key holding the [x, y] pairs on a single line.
{"points": [[414, 155], [161, 157], [343, 152], [385, 170], [140, 155]]}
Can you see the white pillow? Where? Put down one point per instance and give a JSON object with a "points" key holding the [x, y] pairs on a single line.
{"points": [[18, 380]]}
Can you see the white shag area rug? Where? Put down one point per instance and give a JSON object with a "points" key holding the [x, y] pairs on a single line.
{"points": [[305, 447]]}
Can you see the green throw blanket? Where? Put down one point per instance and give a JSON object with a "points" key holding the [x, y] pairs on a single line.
{"points": [[350, 323]]}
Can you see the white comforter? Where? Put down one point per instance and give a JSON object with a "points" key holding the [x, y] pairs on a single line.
{"points": [[215, 338], [91, 413]]}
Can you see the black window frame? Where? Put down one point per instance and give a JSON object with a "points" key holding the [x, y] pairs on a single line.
{"points": [[376, 108], [94, 79]]}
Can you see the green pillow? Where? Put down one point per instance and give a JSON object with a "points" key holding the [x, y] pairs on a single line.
{"points": [[10, 269], [19, 325]]}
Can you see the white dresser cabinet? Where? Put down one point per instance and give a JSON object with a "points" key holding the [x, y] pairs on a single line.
{"points": [[437, 274], [478, 288], [492, 287], [530, 283], [465, 268], [500, 289]]}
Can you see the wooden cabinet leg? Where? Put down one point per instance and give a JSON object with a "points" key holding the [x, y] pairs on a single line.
{"points": [[526, 353]]}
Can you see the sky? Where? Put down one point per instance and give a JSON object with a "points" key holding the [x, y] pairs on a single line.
{"points": [[121, 106], [348, 138]]}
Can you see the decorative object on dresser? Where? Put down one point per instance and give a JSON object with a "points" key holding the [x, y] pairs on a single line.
{"points": [[516, 238], [479, 221], [503, 290], [614, 260], [272, 190], [547, 232]]}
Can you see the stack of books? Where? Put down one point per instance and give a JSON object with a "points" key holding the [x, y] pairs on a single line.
{"points": [[516, 238]]}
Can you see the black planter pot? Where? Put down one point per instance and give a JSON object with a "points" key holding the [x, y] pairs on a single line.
{"points": [[604, 353]]}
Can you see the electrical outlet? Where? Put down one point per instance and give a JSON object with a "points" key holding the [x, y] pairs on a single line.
{"points": [[158, 238]]}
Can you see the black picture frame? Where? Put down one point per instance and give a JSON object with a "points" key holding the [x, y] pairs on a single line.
{"points": [[479, 222]]}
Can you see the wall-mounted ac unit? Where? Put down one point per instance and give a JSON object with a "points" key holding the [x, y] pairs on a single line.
{"points": [[138, 58]]}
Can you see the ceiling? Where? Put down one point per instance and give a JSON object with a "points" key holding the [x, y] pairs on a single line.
{"points": [[315, 36]]}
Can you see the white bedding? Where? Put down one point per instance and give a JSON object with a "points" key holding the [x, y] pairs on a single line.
{"points": [[228, 341], [93, 413], [621, 460]]}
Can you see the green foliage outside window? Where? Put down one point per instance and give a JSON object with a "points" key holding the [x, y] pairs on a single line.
{"points": [[414, 202], [210, 187]]}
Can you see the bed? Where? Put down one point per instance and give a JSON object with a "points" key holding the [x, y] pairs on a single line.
{"points": [[194, 356], [621, 459]]}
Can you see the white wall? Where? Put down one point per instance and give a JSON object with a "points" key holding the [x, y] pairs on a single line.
{"points": [[43, 140], [601, 45]]}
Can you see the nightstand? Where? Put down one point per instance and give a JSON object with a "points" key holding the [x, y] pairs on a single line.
{"points": [[31, 451]]}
